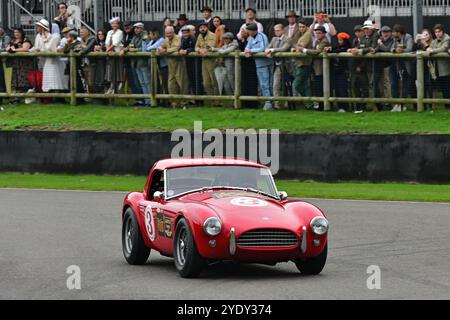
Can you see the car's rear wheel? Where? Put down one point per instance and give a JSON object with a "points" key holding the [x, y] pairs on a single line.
{"points": [[134, 249], [188, 261], [314, 265]]}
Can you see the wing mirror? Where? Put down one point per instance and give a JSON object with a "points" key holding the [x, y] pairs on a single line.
{"points": [[158, 196], [283, 195]]}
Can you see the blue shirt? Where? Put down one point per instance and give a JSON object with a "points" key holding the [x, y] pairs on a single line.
{"points": [[259, 44], [152, 46]]}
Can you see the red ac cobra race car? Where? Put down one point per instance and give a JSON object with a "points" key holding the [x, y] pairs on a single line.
{"points": [[200, 211]]}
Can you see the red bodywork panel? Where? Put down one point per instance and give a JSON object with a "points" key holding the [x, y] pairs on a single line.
{"points": [[241, 210]]}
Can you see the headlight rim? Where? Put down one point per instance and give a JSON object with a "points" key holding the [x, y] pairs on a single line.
{"points": [[315, 219], [205, 224]]}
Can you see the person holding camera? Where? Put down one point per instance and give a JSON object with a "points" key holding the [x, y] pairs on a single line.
{"points": [[321, 19]]}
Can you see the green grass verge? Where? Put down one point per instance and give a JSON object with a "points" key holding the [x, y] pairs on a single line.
{"points": [[356, 191], [126, 119]]}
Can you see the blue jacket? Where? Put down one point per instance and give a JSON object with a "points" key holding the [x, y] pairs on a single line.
{"points": [[259, 44]]}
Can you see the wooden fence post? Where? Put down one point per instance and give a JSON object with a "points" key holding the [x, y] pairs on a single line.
{"points": [[73, 78], [237, 80], [326, 82], [420, 82], [154, 78]]}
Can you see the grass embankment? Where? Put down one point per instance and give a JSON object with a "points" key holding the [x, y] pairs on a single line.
{"points": [[355, 191], [126, 119]]}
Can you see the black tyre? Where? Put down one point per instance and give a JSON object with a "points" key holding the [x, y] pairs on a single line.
{"points": [[134, 249], [314, 265], [188, 261]]}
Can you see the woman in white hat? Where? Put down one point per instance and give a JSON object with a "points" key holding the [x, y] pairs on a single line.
{"points": [[114, 68], [53, 78]]}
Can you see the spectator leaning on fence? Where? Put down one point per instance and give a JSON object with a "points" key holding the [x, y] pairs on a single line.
{"points": [[178, 81], [87, 44], [4, 42], [43, 35], [225, 66], [382, 67], [193, 66], [100, 63], [303, 71], [20, 66], [258, 43], [402, 74], [154, 43], [53, 79], [423, 42], [279, 43], [249, 78], [362, 68], [320, 45], [441, 72], [251, 19], [141, 66], [205, 41], [114, 68], [341, 71], [129, 73], [74, 44]]}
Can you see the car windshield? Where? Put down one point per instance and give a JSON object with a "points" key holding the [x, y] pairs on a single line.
{"points": [[186, 179]]}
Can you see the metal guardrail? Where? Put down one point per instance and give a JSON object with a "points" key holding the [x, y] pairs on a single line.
{"points": [[237, 98]]}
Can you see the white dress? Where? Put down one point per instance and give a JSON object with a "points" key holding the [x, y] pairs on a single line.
{"points": [[53, 77]]}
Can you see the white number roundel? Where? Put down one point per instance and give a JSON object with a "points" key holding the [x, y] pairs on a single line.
{"points": [[150, 223], [248, 202]]}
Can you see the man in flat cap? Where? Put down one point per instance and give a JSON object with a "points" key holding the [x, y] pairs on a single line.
{"points": [[141, 66], [251, 18], [258, 43], [320, 45], [279, 43], [178, 80], [225, 69], [193, 65], [205, 42], [130, 73], [382, 80]]}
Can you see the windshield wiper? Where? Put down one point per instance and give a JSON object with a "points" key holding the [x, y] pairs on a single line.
{"points": [[261, 193], [252, 190]]}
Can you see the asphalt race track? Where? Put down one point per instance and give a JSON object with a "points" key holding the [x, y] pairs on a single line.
{"points": [[44, 232]]}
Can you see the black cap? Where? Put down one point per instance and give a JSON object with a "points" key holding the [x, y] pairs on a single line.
{"points": [[250, 9], [203, 23], [321, 28], [357, 28], [183, 17], [252, 27], [127, 23]]}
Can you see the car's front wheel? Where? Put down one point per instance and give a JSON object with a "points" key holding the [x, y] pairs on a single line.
{"points": [[134, 249], [188, 261], [314, 265]]}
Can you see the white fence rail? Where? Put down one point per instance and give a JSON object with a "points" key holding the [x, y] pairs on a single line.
{"points": [[157, 10]]}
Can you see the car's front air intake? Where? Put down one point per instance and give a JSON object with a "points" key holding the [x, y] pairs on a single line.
{"points": [[267, 238]]}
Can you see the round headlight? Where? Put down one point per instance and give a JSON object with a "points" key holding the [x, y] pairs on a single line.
{"points": [[212, 226], [319, 226]]}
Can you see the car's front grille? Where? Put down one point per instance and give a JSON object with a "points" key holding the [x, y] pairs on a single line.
{"points": [[267, 238]]}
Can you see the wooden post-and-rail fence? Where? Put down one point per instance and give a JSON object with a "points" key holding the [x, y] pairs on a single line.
{"points": [[419, 58]]}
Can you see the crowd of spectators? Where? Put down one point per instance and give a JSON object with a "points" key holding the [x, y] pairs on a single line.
{"points": [[266, 74]]}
